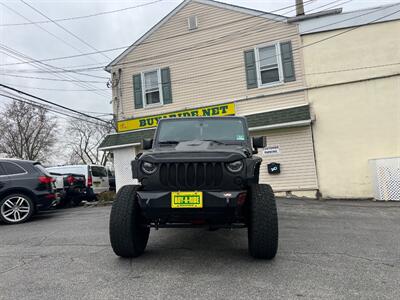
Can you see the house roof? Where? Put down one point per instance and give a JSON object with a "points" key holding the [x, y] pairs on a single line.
{"points": [[360, 17], [253, 12], [279, 118]]}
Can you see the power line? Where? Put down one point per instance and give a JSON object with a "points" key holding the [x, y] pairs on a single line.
{"points": [[62, 77], [68, 56], [217, 41], [30, 102], [82, 17], [329, 37], [50, 102], [20, 56], [55, 89], [52, 79], [169, 37], [48, 107], [354, 69], [294, 50], [47, 31], [63, 28]]}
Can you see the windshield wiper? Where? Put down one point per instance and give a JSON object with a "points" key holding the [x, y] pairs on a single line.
{"points": [[168, 142]]}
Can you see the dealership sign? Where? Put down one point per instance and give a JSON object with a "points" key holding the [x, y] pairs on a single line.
{"points": [[152, 121]]}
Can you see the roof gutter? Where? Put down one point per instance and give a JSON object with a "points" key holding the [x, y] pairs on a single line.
{"points": [[281, 125]]}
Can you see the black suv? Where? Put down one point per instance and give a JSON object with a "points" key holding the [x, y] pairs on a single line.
{"points": [[196, 172], [25, 188]]}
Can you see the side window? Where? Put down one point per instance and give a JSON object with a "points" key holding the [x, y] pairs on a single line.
{"points": [[2, 173], [99, 172], [12, 168]]}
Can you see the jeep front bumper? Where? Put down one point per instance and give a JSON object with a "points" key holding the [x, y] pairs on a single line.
{"points": [[218, 208]]}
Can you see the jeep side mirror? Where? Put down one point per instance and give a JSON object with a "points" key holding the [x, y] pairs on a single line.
{"points": [[259, 142], [147, 144]]}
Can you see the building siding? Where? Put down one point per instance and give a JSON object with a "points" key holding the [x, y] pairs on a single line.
{"points": [[296, 158], [359, 121], [226, 81]]}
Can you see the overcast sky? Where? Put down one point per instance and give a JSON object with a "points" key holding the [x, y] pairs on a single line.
{"points": [[102, 32]]}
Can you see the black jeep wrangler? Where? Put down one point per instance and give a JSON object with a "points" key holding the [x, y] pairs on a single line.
{"points": [[196, 172]]}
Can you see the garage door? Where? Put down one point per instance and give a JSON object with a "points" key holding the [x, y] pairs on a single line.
{"points": [[292, 148]]}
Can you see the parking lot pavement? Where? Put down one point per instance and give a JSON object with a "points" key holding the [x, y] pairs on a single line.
{"points": [[327, 250]]}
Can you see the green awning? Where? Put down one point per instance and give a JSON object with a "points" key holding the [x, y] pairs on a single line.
{"points": [[119, 140], [282, 116], [260, 120]]}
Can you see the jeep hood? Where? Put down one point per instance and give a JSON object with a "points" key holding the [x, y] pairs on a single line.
{"points": [[196, 151]]}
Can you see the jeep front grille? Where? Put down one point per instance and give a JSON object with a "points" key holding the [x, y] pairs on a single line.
{"points": [[191, 175]]}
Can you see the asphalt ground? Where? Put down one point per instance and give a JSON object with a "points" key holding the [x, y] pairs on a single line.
{"points": [[327, 250]]}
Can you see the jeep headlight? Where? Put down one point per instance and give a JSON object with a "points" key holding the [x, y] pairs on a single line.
{"points": [[148, 167], [235, 166]]}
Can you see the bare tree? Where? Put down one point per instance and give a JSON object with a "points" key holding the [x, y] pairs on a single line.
{"points": [[84, 137], [27, 131]]}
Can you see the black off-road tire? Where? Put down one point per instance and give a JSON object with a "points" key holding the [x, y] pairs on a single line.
{"points": [[262, 222], [128, 231]]}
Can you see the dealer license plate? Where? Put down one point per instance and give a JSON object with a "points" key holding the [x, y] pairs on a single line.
{"points": [[187, 199]]}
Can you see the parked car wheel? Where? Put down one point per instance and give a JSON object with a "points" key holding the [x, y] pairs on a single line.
{"points": [[16, 208], [128, 231], [263, 222]]}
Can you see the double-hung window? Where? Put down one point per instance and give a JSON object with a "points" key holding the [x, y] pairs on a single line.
{"points": [[152, 87], [269, 66]]}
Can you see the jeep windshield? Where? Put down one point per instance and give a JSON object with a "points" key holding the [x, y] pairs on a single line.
{"points": [[224, 131]]}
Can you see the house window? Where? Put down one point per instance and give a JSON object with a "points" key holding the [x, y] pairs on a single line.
{"points": [[152, 87], [269, 66]]}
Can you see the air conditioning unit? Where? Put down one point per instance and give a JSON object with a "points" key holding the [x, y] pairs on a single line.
{"points": [[386, 178]]}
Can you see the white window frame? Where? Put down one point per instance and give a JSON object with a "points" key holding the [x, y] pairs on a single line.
{"points": [[279, 62], [145, 105]]}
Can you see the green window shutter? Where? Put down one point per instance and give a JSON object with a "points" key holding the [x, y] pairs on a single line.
{"points": [[166, 85], [137, 91], [287, 62], [251, 69]]}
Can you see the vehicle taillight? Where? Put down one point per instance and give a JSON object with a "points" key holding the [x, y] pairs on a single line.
{"points": [[46, 179], [90, 181], [70, 180]]}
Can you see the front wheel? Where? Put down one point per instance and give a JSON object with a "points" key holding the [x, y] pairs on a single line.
{"points": [[128, 231], [16, 208], [262, 222]]}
